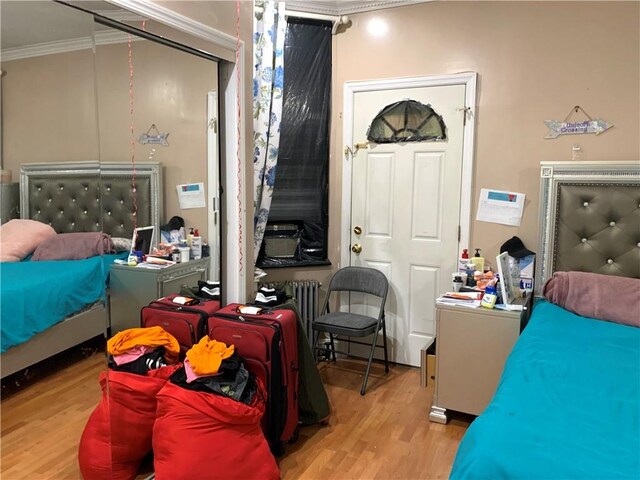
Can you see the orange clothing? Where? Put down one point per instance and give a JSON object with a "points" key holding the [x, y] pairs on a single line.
{"points": [[206, 356], [125, 340]]}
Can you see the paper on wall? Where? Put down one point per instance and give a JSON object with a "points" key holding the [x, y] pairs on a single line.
{"points": [[191, 195], [500, 207]]}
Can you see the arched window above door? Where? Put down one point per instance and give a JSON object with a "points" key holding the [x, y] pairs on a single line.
{"points": [[406, 121]]}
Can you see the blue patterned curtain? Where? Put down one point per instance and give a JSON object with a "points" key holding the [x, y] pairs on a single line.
{"points": [[269, 28]]}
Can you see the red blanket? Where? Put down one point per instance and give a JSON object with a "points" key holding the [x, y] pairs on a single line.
{"points": [[606, 297]]}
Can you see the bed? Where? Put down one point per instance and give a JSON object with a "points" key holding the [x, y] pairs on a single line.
{"points": [[50, 306], [568, 402]]}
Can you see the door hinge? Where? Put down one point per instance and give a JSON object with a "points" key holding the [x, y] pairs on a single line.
{"points": [[459, 233]]}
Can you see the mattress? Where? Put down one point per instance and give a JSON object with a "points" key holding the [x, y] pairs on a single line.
{"points": [[37, 295], [567, 405]]}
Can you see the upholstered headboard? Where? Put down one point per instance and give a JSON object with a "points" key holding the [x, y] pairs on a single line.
{"points": [[590, 218], [91, 196]]}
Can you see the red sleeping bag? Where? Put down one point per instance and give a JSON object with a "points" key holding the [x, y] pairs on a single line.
{"points": [[118, 433], [200, 435]]}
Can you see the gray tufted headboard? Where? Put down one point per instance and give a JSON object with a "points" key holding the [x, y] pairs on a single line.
{"points": [[91, 196], [590, 218]]}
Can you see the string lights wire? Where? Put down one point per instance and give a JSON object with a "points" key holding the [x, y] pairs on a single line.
{"points": [[239, 137]]}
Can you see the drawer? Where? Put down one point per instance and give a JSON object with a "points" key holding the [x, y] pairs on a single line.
{"points": [[172, 283]]}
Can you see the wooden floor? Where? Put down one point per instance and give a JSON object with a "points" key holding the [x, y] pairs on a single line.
{"points": [[384, 435]]}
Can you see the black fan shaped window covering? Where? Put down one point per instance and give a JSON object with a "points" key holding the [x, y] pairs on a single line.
{"points": [[407, 121]]}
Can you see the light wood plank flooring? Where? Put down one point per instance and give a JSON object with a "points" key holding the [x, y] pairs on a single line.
{"points": [[384, 435]]}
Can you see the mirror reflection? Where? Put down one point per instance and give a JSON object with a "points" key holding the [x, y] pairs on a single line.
{"points": [[108, 129]]}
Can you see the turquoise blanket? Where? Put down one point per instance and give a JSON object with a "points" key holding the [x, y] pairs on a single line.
{"points": [[567, 406], [37, 295]]}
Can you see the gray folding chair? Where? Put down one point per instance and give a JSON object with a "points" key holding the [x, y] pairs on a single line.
{"points": [[346, 324]]}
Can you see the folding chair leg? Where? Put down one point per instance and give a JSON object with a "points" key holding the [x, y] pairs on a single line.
{"points": [[314, 347], [384, 338], [333, 348], [366, 374]]}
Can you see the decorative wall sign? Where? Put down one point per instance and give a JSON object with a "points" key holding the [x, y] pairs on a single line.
{"points": [[153, 137], [557, 128]]}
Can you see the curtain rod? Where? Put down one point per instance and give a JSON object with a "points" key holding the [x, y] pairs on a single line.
{"points": [[336, 20]]}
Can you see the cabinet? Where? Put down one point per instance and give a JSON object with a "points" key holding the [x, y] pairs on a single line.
{"points": [[472, 345], [132, 288]]}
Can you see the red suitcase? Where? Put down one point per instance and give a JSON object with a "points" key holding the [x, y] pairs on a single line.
{"points": [[188, 323], [269, 344]]}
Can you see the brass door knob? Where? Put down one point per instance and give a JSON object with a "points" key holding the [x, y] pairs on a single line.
{"points": [[357, 248], [357, 230]]}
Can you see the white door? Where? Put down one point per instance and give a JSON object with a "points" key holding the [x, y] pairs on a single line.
{"points": [[406, 203]]}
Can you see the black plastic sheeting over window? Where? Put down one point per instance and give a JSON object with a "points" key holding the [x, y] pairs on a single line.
{"points": [[406, 121], [296, 232]]}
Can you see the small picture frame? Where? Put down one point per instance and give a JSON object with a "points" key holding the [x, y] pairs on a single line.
{"points": [[508, 284]]}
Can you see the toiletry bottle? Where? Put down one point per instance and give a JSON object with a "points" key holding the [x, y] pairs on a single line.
{"points": [[463, 261], [489, 297], [190, 237], [196, 245], [478, 261]]}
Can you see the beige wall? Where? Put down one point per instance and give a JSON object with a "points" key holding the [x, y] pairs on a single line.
{"points": [[170, 91], [50, 112], [535, 61]]}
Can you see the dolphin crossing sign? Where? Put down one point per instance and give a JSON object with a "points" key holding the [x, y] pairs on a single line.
{"points": [[593, 125]]}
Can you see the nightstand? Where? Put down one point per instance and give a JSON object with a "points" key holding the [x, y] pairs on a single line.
{"points": [[131, 288], [472, 347]]}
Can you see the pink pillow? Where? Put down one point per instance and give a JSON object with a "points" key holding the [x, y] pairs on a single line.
{"points": [[19, 238]]}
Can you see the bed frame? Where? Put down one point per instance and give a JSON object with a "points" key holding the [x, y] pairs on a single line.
{"points": [[589, 219], [83, 197]]}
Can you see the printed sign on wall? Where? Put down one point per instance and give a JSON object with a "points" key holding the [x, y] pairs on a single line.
{"points": [[592, 125]]}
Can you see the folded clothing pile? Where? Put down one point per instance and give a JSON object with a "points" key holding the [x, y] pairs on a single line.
{"points": [[206, 289], [270, 297]]}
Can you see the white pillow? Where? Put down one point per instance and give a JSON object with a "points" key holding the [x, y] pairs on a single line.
{"points": [[19, 238]]}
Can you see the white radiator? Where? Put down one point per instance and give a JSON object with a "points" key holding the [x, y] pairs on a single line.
{"points": [[307, 295]]}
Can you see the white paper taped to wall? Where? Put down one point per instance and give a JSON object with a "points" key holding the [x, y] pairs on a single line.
{"points": [[191, 195], [500, 207]]}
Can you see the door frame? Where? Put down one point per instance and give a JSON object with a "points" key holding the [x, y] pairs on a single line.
{"points": [[469, 79]]}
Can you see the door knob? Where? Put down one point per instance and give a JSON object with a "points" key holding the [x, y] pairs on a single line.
{"points": [[356, 248], [357, 230]]}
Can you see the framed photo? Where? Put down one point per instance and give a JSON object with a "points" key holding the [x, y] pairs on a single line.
{"points": [[509, 280]]}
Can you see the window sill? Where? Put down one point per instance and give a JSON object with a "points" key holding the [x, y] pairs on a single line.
{"points": [[294, 264]]}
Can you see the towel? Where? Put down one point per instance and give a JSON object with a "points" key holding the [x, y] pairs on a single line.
{"points": [[606, 297]]}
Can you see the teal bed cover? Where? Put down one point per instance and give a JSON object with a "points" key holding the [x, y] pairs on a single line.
{"points": [[37, 295], [567, 405]]}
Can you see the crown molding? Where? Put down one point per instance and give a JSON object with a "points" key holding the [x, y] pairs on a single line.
{"points": [[64, 46], [157, 12], [338, 8]]}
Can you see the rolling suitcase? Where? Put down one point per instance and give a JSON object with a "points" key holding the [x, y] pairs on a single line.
{"points": [[268, 343], [188, 323]]}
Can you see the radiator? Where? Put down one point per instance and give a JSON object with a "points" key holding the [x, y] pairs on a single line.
{"points": [[307, 295]]}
